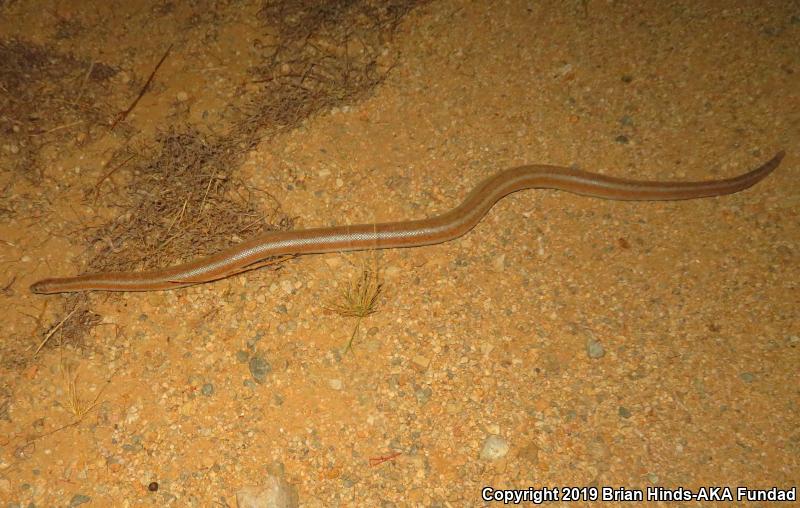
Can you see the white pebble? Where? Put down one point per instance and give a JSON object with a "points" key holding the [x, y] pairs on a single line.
{"points": [[494, 447]]}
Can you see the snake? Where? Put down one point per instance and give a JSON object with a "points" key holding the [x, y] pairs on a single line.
{"points": [[447, 226]]}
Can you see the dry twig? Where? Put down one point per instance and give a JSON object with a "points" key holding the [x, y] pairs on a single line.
{"points": [[53, 330], [124, 114]]}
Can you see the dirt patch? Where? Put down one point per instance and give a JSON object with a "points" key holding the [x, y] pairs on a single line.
{"points": [[47, 97]]}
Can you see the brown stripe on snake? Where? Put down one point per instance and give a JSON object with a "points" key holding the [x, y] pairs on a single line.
{"points": [[413, 233]]}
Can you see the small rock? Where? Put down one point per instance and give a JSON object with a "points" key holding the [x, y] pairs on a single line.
{"points": [[336, 384], [423, 395], [207, 390], [252, 341], [594, 349], [275, 493], [420, 362], [747, 377], [182, 96], [132, 448], [624, 412], [259, 368], [79, 499], [287, 287], [494, 447]]}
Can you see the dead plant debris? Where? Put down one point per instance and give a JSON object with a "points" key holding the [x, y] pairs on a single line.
{"points": [[183, 200], [46, 97], [180, 198], [358, 300]]}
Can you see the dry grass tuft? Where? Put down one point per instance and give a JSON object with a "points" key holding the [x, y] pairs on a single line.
{"points": [[77, 407], [183, 202], [358, 300]]}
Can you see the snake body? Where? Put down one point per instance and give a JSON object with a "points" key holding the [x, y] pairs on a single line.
{"points": [[412, 233]]}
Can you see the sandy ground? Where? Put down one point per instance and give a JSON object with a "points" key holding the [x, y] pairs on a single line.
{"points": [[607, 344]]}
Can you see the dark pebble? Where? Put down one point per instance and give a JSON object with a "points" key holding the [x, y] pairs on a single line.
{"points": [[79, 499], [259, 368]]}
